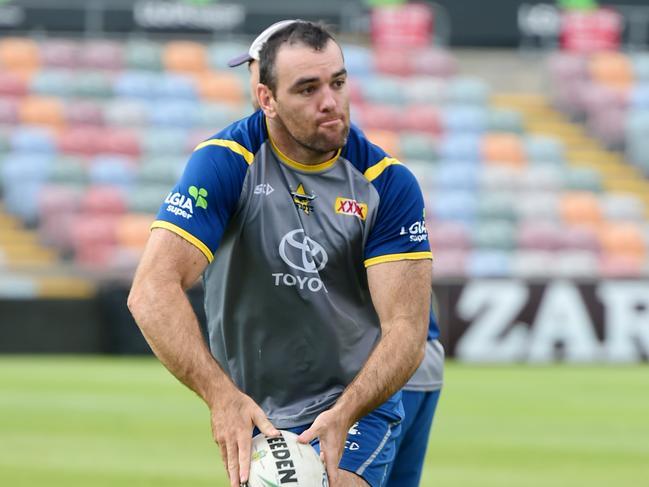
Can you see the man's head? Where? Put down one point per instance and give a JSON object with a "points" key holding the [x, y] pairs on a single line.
{"points": [[303, 86]]}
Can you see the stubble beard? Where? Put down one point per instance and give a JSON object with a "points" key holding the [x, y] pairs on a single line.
{"points": [[316, 143]]}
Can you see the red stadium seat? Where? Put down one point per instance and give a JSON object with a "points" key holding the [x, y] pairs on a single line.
{"points": [[379, 117], [103, 200], [81, 140], [8, 111], [102, 54], [421, 119], [60, 53], [83, 113], [434, 62], [393, 61], [117, 141], [12, 84]]}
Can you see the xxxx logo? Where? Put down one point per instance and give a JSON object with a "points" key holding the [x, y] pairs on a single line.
{"points": [[199, 195], [348, 206]]}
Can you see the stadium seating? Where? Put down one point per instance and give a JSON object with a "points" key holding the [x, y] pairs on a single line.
{"points": [[94, 133]]}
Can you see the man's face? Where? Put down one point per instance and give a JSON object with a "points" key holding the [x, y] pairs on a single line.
{"points": [[253, 67], [311, 98]]}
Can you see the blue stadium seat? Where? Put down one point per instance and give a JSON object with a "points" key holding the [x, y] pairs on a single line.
{"points": [[622, 207], [457, 176], [453, 205], [216, 115], [383, 89], [33, 139], [528, 264], [143, 54], [425, 90], [494, 235], [164, 141], [544, 149], [464, 119], [127, 113], [639, 97], [175, 114], [417, 146], [111, 170], [460, 147], [489, 263], [54, 82], [176, 86], [467, 91], [640, 63], [358, 60], [136, 84]]}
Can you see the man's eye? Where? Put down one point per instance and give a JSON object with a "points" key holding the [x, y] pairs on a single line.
{"points": [[339, 83], [308, 90]]}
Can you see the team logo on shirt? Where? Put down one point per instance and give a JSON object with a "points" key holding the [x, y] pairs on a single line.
{"points": [[303, 200], [348, 206], [183, 206]]}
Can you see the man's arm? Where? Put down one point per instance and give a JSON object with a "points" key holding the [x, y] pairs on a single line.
{"points": [[162, 311], [401, 296]]}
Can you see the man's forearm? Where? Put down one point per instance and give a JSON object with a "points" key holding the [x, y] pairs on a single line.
{"points": [[171, 328], [390, 365]]}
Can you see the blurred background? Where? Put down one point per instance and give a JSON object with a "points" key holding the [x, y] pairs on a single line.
{"points": [[526, 123]]}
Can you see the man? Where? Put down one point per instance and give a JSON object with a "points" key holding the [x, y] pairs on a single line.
{"points": [[421, 394], [317, 303]]}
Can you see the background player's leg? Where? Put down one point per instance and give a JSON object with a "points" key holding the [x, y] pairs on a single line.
{"points": [[411, 445]]}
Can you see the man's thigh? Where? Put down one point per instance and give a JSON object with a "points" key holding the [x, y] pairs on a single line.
{"points": [[349, 479]]}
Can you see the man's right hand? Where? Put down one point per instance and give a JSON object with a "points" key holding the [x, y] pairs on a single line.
{"points": [[234, 416]]}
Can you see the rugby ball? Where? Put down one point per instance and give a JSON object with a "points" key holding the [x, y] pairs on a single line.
{"points": [[282, 461]]}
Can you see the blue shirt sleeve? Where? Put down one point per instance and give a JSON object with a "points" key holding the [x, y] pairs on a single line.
{"points": [[399, 231], [199, 207]]}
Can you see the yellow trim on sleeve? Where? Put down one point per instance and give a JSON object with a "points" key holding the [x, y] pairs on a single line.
{"points": [[373, 172], [396, 257], [230, 144], [186, 235]]}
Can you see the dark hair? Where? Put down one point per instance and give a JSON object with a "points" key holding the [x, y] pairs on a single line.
{"points": [[314, 35]]}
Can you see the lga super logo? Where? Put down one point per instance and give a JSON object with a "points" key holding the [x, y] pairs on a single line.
{"points": [[416, 232], [183, 205], [305, 256]]}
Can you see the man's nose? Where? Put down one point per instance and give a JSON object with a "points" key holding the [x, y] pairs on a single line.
{"points": [[328, 101]]}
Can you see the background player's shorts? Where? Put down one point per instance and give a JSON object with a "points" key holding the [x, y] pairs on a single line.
{"points": [[370, 447]]}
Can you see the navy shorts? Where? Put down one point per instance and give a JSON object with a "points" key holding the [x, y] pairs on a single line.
{"points": [[370, 447]]}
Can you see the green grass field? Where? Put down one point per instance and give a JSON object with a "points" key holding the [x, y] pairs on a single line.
{"points": [[126, 422]]}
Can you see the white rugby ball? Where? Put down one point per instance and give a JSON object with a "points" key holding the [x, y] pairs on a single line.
{"points": [[282, 461]]}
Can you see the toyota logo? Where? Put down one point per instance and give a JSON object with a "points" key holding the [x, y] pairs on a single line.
{"points": [[302, 252]]}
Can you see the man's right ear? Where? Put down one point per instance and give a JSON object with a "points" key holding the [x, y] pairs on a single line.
{"points": [[266, 100]]}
